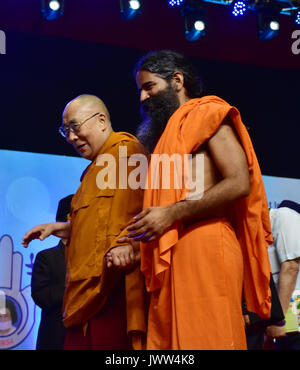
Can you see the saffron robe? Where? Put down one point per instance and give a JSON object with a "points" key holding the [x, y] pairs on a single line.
{"points": [[196, 275], [99, 216]]}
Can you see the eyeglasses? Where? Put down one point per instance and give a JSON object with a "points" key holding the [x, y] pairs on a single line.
{"points": [[73, 126]]}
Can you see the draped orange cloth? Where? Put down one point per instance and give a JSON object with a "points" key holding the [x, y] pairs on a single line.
{"points": [[99, 216], [196, 275]]}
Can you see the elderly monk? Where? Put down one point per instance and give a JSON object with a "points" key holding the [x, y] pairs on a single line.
{"points": [[103, 304], [200, 252]]}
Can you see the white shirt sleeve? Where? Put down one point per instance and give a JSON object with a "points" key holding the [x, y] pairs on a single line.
{"points": [[285, 224]]}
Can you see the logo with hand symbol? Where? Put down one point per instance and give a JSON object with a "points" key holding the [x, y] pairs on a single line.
{"points": [[17, 314]]}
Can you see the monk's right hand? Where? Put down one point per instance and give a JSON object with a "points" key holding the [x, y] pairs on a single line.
{"points": [[38, 232], [59, 229], [122, 257]]}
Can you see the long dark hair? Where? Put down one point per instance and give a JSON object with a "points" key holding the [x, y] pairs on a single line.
{"points": [[165, 62]]}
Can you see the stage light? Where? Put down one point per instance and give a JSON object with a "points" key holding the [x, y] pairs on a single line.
{"points": [[199, 25], [296, 16], [297, 20], [134, 4], [130, 8], [54, 5], [174, 3], [274, 26], [267, 19], [238, 8], [52, 10], [194, 17]]}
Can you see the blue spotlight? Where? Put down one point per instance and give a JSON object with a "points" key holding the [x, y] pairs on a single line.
{"points": [[238, 8], [297, 17], [130, 8], [194, 22], [52, 9], [268, 21], [174, 3]]}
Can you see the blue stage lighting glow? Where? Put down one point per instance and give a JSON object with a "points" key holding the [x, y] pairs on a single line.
{"points": [[297, 18], [195, 29], [239, 8], [174, 3], [130, 8], [53, 9], [268, 19], [194, 19]]}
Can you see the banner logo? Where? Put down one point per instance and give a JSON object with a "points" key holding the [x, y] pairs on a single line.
{"points": [[17, 315]]}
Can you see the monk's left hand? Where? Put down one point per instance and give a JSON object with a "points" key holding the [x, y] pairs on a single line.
{"points": [[150, 224]]}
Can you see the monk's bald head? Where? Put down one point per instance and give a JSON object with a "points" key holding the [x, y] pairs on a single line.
{"points": [[87, 125], [89, 102]]}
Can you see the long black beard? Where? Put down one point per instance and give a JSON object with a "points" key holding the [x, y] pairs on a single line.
{"points": [[156, 112]]}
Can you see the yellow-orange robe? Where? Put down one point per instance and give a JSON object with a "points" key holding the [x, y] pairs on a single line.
{"points": [[196, 275], [98, 218]]}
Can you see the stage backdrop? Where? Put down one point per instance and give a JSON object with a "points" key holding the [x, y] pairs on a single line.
{"points": [[30, 187]]}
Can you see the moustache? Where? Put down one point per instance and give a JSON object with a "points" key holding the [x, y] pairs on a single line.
{"points": [[146, 106], [151, 104]]}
